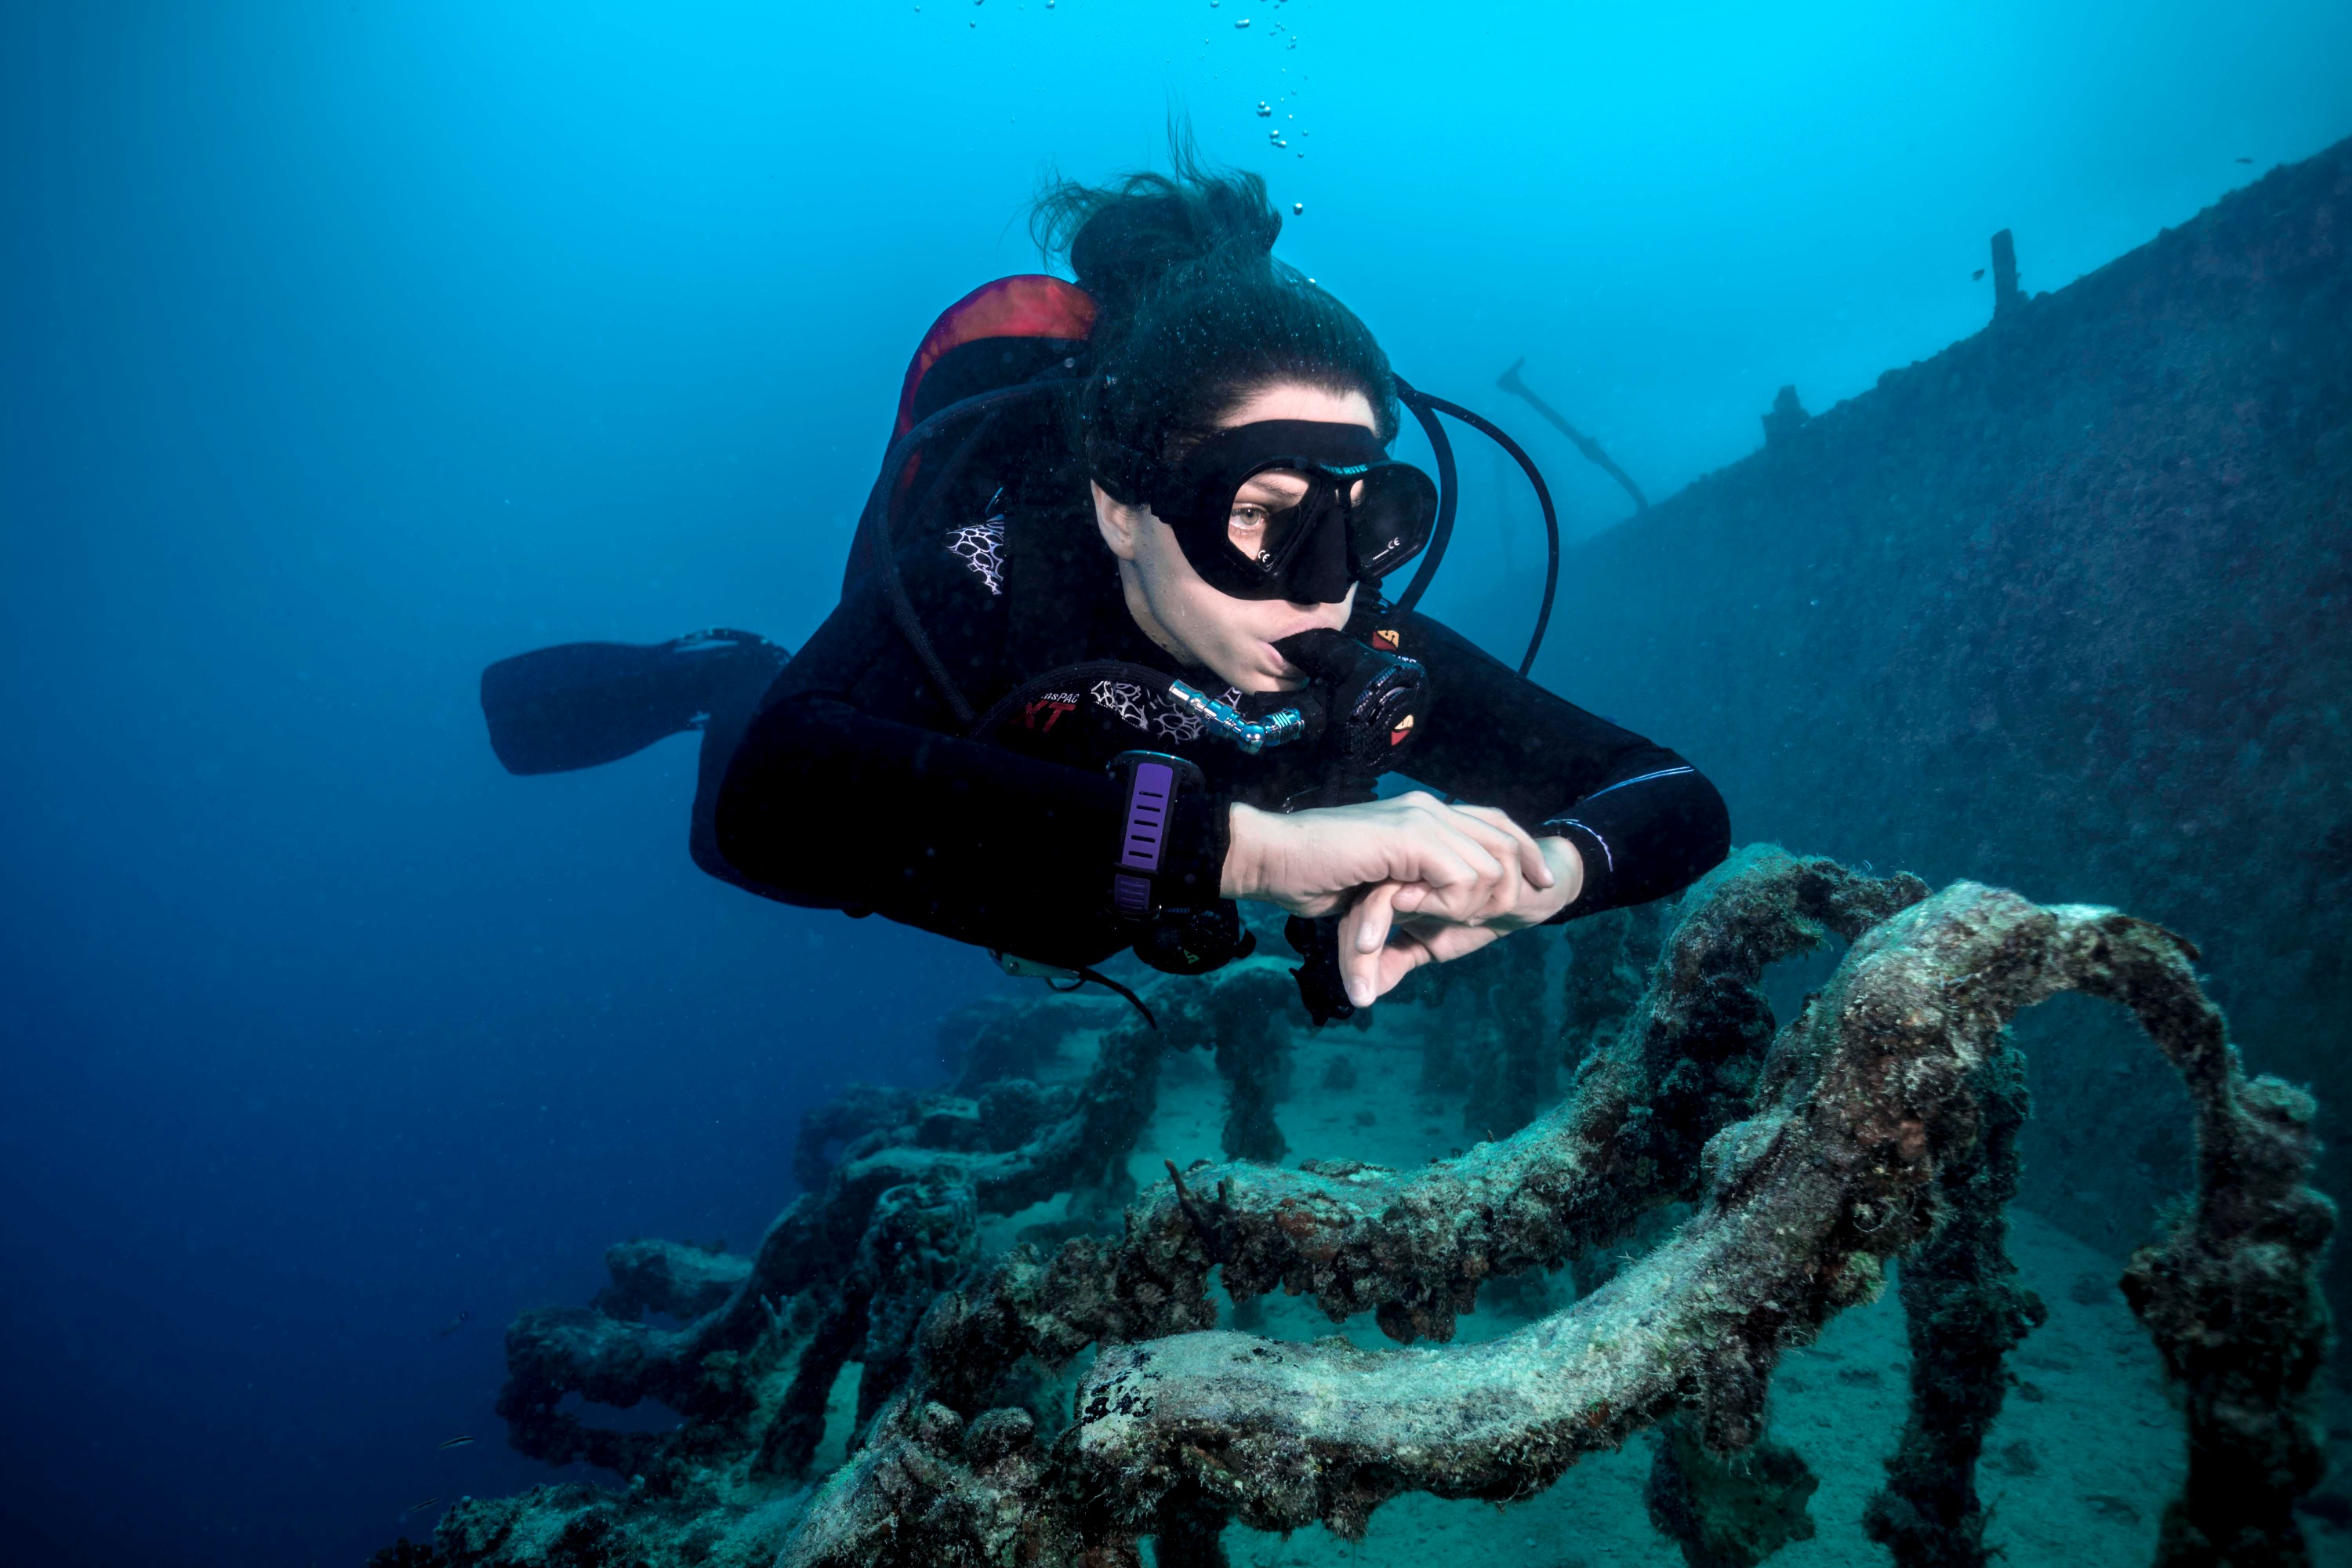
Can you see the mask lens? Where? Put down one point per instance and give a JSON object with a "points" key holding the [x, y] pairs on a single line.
{"points": [[1267, 514], [1391, 518]]}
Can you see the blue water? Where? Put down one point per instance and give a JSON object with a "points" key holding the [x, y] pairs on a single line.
{"points": [[349, 346]]}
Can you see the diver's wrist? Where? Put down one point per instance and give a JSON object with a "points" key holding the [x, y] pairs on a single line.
{"points": [[1567, 863], [1247, 833], [1563, 841]]}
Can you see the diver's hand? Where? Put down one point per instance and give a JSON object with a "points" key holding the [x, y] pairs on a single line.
{"points": [[1464, 863], [1393, 929]]}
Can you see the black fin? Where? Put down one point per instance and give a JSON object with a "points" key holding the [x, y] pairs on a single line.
{"points": [[587, 703]]}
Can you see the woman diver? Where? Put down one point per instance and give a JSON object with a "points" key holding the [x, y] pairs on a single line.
{"points": [[1167, 481], [1210, 509]]}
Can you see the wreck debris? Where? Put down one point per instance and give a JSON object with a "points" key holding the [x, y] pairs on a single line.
{"points": [[675, 1278], [1609, 958], [1876, 1092], [1787, 418], [1728, 1511], [806, 1298], [2232, 1295], [1414, 1248], [1879, 1125], [1484, 1033], [856, 1111], [919, 1237], [2006, 295], [1964, 1313], [1246, 1019], [845, 1273], [1511, 381]]}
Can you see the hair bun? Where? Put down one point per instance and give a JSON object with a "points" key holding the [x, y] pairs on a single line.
{"points": [[1128, 239], [1192, 314]]}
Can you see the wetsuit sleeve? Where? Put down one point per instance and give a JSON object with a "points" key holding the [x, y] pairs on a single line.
{"points": [[853, 789], [1644, 821]]}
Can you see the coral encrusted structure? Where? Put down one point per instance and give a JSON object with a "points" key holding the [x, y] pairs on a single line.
{"points": [[1877, 1127]]}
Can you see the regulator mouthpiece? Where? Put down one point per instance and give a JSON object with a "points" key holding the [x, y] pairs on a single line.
{"points": [[1374, 700]]}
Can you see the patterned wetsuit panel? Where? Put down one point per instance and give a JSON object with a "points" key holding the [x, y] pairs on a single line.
{"points": [[980, 546]]}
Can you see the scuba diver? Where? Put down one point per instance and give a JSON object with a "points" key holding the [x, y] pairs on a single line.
{"points": [[1113, 650]]}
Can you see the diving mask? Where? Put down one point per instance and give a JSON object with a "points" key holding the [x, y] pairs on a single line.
{"points": [[1294, 509]]}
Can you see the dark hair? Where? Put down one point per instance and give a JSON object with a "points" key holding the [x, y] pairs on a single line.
{"points": [[1195, 313]]}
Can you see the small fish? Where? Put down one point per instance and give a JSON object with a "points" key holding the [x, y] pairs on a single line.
{"points": [[418, 1507], [2245, 160], [454, 1324], [1977, 274], [457, 1442]]}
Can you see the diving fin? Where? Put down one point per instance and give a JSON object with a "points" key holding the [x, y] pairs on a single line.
{"points": [[581, 704]]}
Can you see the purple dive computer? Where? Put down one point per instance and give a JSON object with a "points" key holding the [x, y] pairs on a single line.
{"points": [[1153, 779]]}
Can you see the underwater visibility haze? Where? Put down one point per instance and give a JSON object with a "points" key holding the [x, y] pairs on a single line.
{"points": [[1948, 412]]}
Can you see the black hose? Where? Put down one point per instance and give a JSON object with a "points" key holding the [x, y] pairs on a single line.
{"points": [[1488, 428], [877, 540], [894, 588], [1425, 408], [873, 520], [1449, 493], [1096, 977]]}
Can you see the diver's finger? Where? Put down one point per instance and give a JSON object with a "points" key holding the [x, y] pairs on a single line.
{"points": [[1400, 958], [1485, 864], [1505, 840], [1360, 959], [1488, 853], [1367, 924], [1445, 943], [1499, 886], [1446, 862], [1455, 904], [1530, 854]]}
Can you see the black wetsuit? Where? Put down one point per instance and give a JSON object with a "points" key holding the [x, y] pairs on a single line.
{"points": [[853, 788]]}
